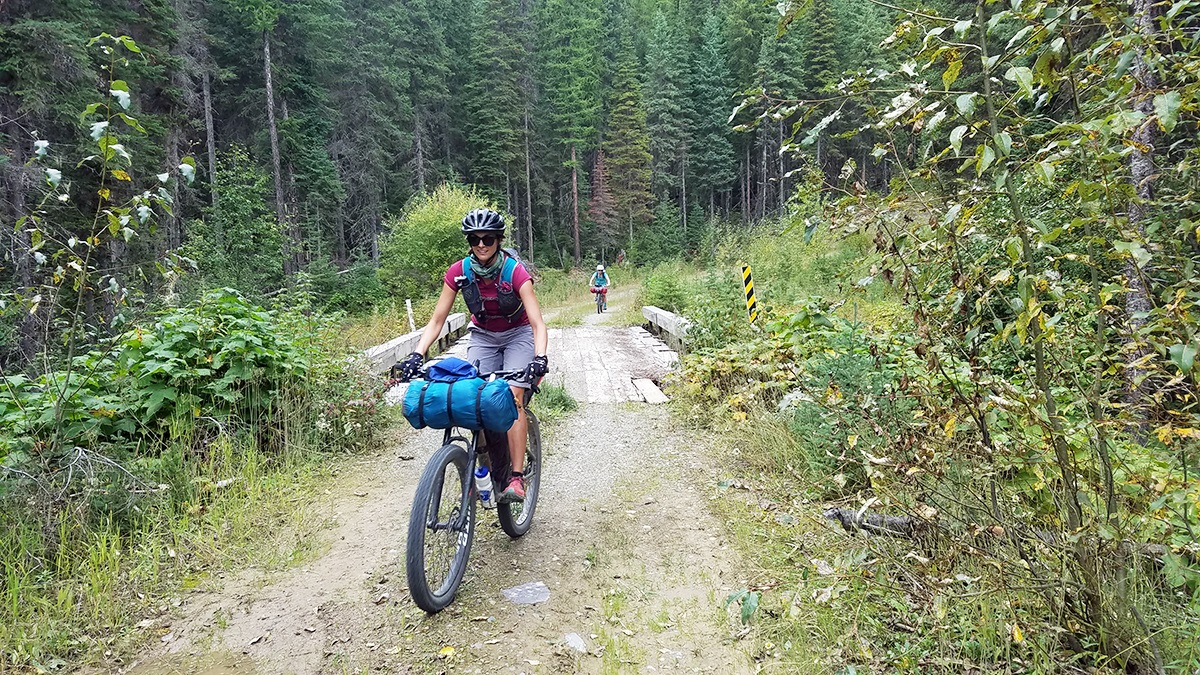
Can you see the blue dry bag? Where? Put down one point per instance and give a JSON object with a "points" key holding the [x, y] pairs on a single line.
{"points": [[455, 396]]}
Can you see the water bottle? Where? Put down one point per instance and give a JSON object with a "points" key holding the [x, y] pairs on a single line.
{"points": [[483, 485]]}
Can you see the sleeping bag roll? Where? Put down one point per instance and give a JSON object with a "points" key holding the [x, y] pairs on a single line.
{"points": [[471, 403]]}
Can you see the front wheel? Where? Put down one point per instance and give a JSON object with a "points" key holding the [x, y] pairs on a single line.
{"points": [[517, 517], [441, 528]]}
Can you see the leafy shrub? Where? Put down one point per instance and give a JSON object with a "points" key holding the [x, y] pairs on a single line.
{"points": [[425, 241], [664, 290], [356, 290], [717, 311], [238, 243]]}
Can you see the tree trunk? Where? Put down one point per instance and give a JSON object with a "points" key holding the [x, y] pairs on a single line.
{"points": [[211, 140], [16, 182], [1141, 165], [782, 191], [683, 210], [419, 146], [746, 212], [292, 211], [528, 194], [276, 163], [762, 195], [575, 201]]}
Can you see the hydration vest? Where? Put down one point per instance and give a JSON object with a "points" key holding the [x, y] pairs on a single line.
{"points": [[511, 307]]}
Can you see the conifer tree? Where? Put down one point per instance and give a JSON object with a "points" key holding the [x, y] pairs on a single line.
{"points": [[571, 66], [602, 208], [627, 142], [667, 111], [494, 106], [712, 159], [821, 36]]}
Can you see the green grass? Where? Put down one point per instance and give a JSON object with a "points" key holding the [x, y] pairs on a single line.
{"points": [[553, 403], [74, 591]]}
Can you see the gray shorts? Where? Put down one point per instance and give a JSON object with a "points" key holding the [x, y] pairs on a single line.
{"points": [[507, 350]]}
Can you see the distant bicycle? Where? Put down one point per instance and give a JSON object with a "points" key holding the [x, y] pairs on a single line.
{"points": [[601, 294], [441, 526]]}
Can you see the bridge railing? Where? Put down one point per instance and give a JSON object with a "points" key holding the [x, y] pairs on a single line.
{"points": [[383, 356], [671, 327]]}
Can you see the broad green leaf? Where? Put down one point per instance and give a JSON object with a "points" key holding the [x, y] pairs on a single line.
{"points": [[952, 72], [1045, 172], [99, 129], [984, 158], [961, 28], [1023, 77], [1166, 107], [164, 177], [1133, 248], [951, 214], [966, 104], [121, 96], [40, 148], [87, 112], [1020, 35], [53, 177], [1184, 357], [1004, 143], [956, 138], [132, 122], [130, 44], [188, 169]]}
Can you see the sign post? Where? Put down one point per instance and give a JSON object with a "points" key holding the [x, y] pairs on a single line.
{"points": [[748, 285]]}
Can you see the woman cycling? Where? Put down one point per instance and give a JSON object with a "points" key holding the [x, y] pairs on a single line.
{"points": [[600, 283], [507, 331]]}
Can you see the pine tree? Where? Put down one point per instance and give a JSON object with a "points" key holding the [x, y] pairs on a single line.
{"points": [[745, 25], [602, 207], [714, 166], [495, 108], [627, 142], [571, 58], [821, 47], [667, 113]]}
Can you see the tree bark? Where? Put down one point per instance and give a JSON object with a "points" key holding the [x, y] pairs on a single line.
{"points": [[211, 141], [276, 162], [419, 146], [683, 210], [16, 182], [782, 191], [1141, 166], [575, 201], [746, 213], [528, 194]]}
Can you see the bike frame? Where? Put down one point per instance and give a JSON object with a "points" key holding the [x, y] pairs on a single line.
{"points": [[471, 493]]}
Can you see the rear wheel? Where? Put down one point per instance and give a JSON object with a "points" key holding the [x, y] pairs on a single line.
{"points": [[441, 528], [517, 517]]}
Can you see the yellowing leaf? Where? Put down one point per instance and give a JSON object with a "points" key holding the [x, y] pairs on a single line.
{"points": [[104, 193], [121, 175], [446, 652], [852, 440], [951, 425], [1017, 635]]}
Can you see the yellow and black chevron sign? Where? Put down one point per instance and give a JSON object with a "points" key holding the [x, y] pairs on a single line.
{"points": [[748, 284]]}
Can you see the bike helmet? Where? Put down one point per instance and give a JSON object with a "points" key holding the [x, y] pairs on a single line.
{"points": [[482, 220], [599, 268]]}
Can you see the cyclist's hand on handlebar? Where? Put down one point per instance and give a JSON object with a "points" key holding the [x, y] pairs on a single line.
{"points": [[407, 369], [538, 367]]}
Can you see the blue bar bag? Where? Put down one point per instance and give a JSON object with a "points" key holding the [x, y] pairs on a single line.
{"points": [[455, 396]]}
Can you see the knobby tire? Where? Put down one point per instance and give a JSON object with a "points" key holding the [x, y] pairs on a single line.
{"points": [[516, 519], [427, 506]]}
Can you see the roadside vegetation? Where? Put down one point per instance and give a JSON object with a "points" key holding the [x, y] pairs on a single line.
{"points": [[902, 500]]}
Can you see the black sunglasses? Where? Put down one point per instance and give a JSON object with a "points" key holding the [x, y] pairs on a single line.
{"points": [[486, 240]]}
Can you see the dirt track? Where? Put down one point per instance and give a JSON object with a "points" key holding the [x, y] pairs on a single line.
{"points": [[635, 564]]}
